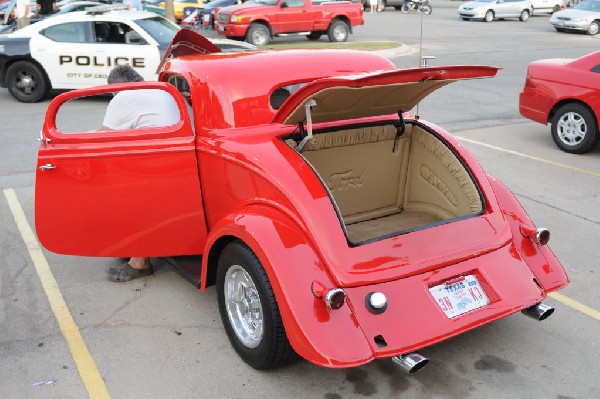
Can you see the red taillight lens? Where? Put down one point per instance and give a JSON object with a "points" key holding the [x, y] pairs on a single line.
{"points": [[529, 82]]}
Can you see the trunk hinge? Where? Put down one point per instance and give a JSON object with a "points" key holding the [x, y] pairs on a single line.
{"points": [[308, 106]]}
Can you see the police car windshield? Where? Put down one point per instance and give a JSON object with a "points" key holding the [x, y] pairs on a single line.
{"points": [[161, 29]]}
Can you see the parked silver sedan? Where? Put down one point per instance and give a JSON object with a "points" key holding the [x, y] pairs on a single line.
{"points": [[584, 17], [488, 10]]}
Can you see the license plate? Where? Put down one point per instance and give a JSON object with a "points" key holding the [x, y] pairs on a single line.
{"points": [[459, 296], [222, 28], [206, 17]]}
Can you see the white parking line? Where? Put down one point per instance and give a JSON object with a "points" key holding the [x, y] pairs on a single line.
{"points": [[88, 371], [520, 154]]}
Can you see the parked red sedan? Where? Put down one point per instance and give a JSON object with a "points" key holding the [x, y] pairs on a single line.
{"points": [[333, 224], [565, 93]]}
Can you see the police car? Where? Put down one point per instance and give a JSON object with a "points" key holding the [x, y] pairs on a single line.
{"points": [[78, 50]]}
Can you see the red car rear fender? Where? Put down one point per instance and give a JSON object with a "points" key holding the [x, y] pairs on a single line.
{"points": [[292, 263], [541, 260]]}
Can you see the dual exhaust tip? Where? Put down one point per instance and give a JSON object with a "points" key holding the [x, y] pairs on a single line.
{"points": [[413, 362]]}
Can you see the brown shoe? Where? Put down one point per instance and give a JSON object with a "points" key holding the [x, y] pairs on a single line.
{"points": [[124, 272]]}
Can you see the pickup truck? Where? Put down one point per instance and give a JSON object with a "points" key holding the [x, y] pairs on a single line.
{"points": [[258, 22]]}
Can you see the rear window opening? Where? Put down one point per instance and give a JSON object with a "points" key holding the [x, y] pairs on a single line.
{"points": [[279, 95]]}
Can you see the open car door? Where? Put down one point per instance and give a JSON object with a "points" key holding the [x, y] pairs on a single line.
{"points": [[118, 192]]}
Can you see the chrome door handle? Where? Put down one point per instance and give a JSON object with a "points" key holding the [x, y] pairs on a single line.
{"points": [[48, 166]]}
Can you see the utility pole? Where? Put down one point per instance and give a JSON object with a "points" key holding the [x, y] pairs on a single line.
{"points": [[169, 12]]}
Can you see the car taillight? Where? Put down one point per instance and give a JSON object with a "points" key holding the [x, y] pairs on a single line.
{"points": [[529, 82], [540, 235], [334, 298]]}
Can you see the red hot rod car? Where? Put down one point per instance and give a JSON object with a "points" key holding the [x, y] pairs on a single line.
{"points": [[334, 225]]}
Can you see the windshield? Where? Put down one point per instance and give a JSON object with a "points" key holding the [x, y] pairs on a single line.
{"points": [[161, 29], [485, 1], [588, 6]]}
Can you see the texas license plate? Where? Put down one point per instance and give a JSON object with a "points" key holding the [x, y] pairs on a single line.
{"points": [[459, 296]]}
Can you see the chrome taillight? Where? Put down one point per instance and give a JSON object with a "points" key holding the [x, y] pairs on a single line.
{"points": [[540, 235], [335, 298]]}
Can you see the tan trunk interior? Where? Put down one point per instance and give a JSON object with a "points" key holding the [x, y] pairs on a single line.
{"points": [[382, 183]]}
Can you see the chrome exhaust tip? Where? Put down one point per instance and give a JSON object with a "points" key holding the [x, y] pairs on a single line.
{"points": [[411, 362], [539, 311]]}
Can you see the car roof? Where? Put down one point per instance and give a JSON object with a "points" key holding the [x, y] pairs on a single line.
{"points": [[240, 100], [117, 15]]}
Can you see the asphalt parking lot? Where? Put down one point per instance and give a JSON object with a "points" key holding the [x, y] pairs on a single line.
{"points": [[67, 332]]}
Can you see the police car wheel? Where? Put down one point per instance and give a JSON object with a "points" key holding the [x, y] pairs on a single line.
{"points": [[26, 82]]}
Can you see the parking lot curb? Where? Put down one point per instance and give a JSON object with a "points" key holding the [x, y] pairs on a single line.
{"points": [[400, 51]]}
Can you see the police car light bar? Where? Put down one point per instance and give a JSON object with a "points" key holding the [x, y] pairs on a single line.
{"points": [[104, 8]]}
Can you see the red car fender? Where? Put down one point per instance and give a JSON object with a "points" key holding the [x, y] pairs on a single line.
{"points": [[292, 263], [541, 260]]}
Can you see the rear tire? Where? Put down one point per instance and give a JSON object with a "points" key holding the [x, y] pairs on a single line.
{"points": [[426, 9], [258, 34], [524, 15], [27, 82], [593, 29], [249, 311], [574, 129], [338, 31], [404, 8]]}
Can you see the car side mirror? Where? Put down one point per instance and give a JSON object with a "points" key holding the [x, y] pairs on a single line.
{"points": [[132, 37], [284, 5]]}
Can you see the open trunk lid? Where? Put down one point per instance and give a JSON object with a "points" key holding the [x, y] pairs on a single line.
{"points": [[371, 94]]}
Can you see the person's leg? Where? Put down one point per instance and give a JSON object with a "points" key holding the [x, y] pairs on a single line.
{"points": [[139, 263]]}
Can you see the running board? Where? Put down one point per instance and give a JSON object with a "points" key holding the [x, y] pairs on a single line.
{"points": [[189, 267]]}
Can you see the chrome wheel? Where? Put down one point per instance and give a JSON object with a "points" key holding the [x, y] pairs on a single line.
{"points": [[338, 31], [243, 306], [593, 29], [574, 128], [258, 35], [249, 310], [571, 128], [489, 16]]}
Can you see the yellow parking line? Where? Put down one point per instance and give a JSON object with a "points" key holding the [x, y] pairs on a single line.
{"points": [[575, 305], [520, 154], [81, 355]]}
